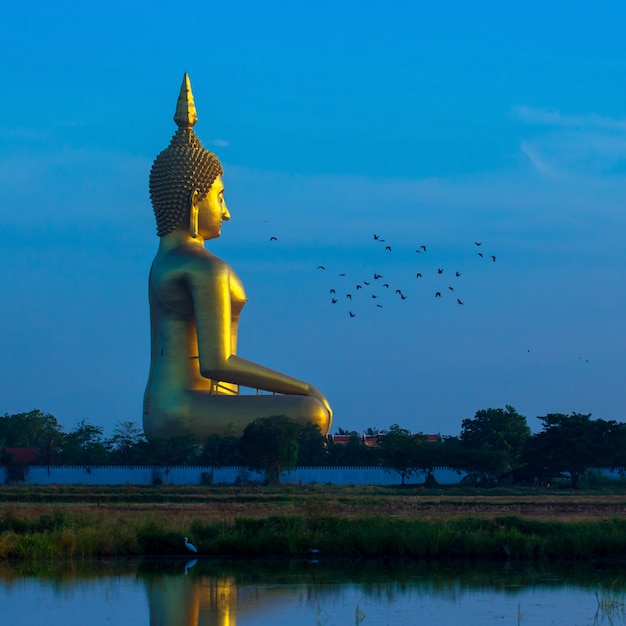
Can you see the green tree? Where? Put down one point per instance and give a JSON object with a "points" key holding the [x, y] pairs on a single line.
{"points": [[312, 446], [574, 443], [399, 451], [126, 436], [180, 450], [221, 450], [429, 455], [270, 445], [480, 463], [344, 431], [34, 429], [500, 435], [85, 445], [354, 453], [372, 431]]}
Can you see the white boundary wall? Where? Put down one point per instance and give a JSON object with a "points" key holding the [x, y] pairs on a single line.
{"points": [[197, 475]]}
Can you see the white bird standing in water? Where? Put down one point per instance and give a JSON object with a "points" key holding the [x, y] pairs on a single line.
{"points": [[190, 546]]}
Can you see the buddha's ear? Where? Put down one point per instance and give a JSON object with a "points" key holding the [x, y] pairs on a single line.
{"points": [[193, 213]]}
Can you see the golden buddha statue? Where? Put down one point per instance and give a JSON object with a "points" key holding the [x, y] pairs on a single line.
{"points": [[195, 303]]}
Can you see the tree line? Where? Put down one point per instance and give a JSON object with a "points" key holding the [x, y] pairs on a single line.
{"points": [[495, 445]]}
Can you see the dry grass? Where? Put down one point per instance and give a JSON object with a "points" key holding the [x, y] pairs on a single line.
{"points": [[371, 522], [214, 504]]}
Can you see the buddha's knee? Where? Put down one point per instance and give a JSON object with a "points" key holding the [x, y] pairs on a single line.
{"points": [[317, 413]]}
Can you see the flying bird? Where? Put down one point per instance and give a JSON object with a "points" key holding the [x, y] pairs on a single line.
{"points": [[493, 258], [458, 274], [348, 296], [190, 546], [332, 291], [340, 274], [273, 238], [480, 254], [388, 248], [321, 267], [459, 301], [377, 276], [418, 275], [478, 243], [380, 306], [451, 288], [359, 287], [423, 248], [377, 237], [333, 300], [365, 283], [352, 314], [374, 295], [439, 271], [438, 294], [386, 285]]}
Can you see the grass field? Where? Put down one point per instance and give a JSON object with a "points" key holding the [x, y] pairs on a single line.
{"points": [[229, 503], [346, 521]]}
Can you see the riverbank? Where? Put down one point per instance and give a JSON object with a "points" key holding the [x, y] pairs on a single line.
{"points": [[370, 522]]}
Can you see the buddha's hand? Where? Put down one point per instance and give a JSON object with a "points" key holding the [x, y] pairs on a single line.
{"points": [[317, 394]]}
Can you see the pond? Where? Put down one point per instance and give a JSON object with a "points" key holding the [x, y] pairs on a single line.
{"points": [[207, 592]]}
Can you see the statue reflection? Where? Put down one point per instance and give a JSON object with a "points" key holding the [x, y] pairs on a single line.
{"points": [[190, 601], [191, 598]]}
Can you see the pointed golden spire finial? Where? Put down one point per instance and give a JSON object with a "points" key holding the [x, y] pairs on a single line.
{"points": [[185, 115]]}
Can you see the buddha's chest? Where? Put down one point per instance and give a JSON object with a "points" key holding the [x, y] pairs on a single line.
{"points": [[237, 293], [173, 294]]}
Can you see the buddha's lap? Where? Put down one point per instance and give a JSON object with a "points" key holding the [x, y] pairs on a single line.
{"points": [[202, 413]]}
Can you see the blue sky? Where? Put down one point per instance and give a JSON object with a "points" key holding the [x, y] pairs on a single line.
{"points": [[428, 124]]}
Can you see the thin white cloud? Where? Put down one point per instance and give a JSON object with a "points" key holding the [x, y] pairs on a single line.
{"points": [[553, 117], [567, 145], [220, 143], [109, 184], [537, 160], [25, 134], [40, 134], [346, 210]]}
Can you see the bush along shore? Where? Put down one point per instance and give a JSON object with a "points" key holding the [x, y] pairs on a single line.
{"points": [[87, 535]]}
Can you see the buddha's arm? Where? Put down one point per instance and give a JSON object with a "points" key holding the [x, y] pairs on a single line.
{"points": [[218, 360], [234, 333]]}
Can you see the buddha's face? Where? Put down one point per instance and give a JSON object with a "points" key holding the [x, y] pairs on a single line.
{"points": [[212, 211]]}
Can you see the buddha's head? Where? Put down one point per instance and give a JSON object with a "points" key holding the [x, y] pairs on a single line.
{"points": [[183, 174], [208, 213]]}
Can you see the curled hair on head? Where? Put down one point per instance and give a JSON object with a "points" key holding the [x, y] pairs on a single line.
{"points": [[183, 167]]}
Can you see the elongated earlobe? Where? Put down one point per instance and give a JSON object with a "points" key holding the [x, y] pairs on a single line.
{"points": [[193, 214]]}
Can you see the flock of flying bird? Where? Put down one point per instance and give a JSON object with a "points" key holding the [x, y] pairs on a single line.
{"points": [[375, 286]]}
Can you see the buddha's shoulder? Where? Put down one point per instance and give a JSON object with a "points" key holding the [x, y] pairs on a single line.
{"points": [[190, 259]]}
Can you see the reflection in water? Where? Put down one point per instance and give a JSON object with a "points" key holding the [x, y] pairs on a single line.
{"points": [[204, 592], [192, 601]]}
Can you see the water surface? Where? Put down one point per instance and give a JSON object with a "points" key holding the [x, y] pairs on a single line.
{"points": [[208, 592]]}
